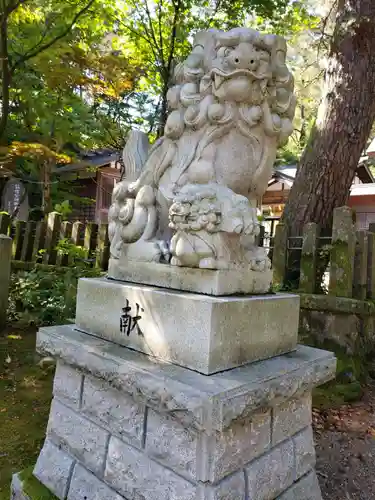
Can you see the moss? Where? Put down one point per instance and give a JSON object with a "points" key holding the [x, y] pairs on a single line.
{"points": [[352, 373], [333, 395], [33, 488], [332, 304], [342, 262]]}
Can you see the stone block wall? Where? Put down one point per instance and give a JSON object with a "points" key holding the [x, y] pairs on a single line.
{"points": [[103, 444], [349, 323]]}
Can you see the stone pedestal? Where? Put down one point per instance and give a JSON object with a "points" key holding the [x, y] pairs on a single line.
{"points": [[207, 281], [126, 426], [16, 489], [205, 333]]}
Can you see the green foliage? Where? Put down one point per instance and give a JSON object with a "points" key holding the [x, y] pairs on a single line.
{"points": [[48, 296], [64, 208], [77, 253], [86, 83], [69, 87], [161, 31]]}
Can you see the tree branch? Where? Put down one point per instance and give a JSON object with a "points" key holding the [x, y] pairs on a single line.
{"points": [[177, 6], [145, 38], [41, 48], [147, 10], [217, 7], [160, 13]]}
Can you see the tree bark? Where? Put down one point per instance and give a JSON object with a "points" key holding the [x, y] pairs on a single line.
{"points": [[345, 117], [163, 110], [46, 169], [5, 75]]}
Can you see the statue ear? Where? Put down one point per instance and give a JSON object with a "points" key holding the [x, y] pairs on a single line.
{"points": [[135, 154]]}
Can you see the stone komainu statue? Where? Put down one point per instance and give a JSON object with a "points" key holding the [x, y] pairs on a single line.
{"points": [[191, 198]]}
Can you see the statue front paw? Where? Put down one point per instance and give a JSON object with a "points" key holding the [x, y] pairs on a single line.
{"points": [[191, 249], [208, 263], [176, 262]]}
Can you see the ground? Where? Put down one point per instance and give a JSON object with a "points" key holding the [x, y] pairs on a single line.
{"points": [[345, 444], [345, 435], [25, 395]]}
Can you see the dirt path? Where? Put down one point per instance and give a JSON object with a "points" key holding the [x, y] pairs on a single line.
{"points": [[345, 446]]}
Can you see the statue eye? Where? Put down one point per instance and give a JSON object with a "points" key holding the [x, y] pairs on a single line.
{"points": [[236, 60]]}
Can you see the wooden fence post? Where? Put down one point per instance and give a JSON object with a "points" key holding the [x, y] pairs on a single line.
{"points": [[342, 253], [19, 232], [40, 235], [260, 237], [5, 260], [52, 237], [307, 281], [280, 255], [89, 243], [4, 223], [371, 262], [75, 238], [28, 241], [360, 266], [65, 233], [102, 248]]}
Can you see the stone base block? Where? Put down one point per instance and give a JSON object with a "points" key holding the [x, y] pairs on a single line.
{"points": [[204, 333], [16, 489], [25, 486], [130, 427], [207, 281]]}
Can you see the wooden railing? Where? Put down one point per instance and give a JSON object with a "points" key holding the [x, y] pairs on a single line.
{"points": [[347, 255], [36, 242]]}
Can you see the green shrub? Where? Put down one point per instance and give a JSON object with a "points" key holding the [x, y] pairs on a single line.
{"points": [[47, 296]]}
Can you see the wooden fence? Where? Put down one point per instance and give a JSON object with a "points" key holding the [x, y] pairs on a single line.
{"points": [[30, 238], [348, 255]]}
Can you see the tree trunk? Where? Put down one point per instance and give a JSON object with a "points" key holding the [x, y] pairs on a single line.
{"points": [[163, 110], [5, 76], [344, 121], [46, 187]]}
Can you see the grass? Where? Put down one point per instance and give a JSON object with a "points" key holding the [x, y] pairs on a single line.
{"points": [[25, 396], [33, 488]]}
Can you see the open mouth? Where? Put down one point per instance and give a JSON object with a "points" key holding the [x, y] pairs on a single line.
{"points": [[219, 76]]}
